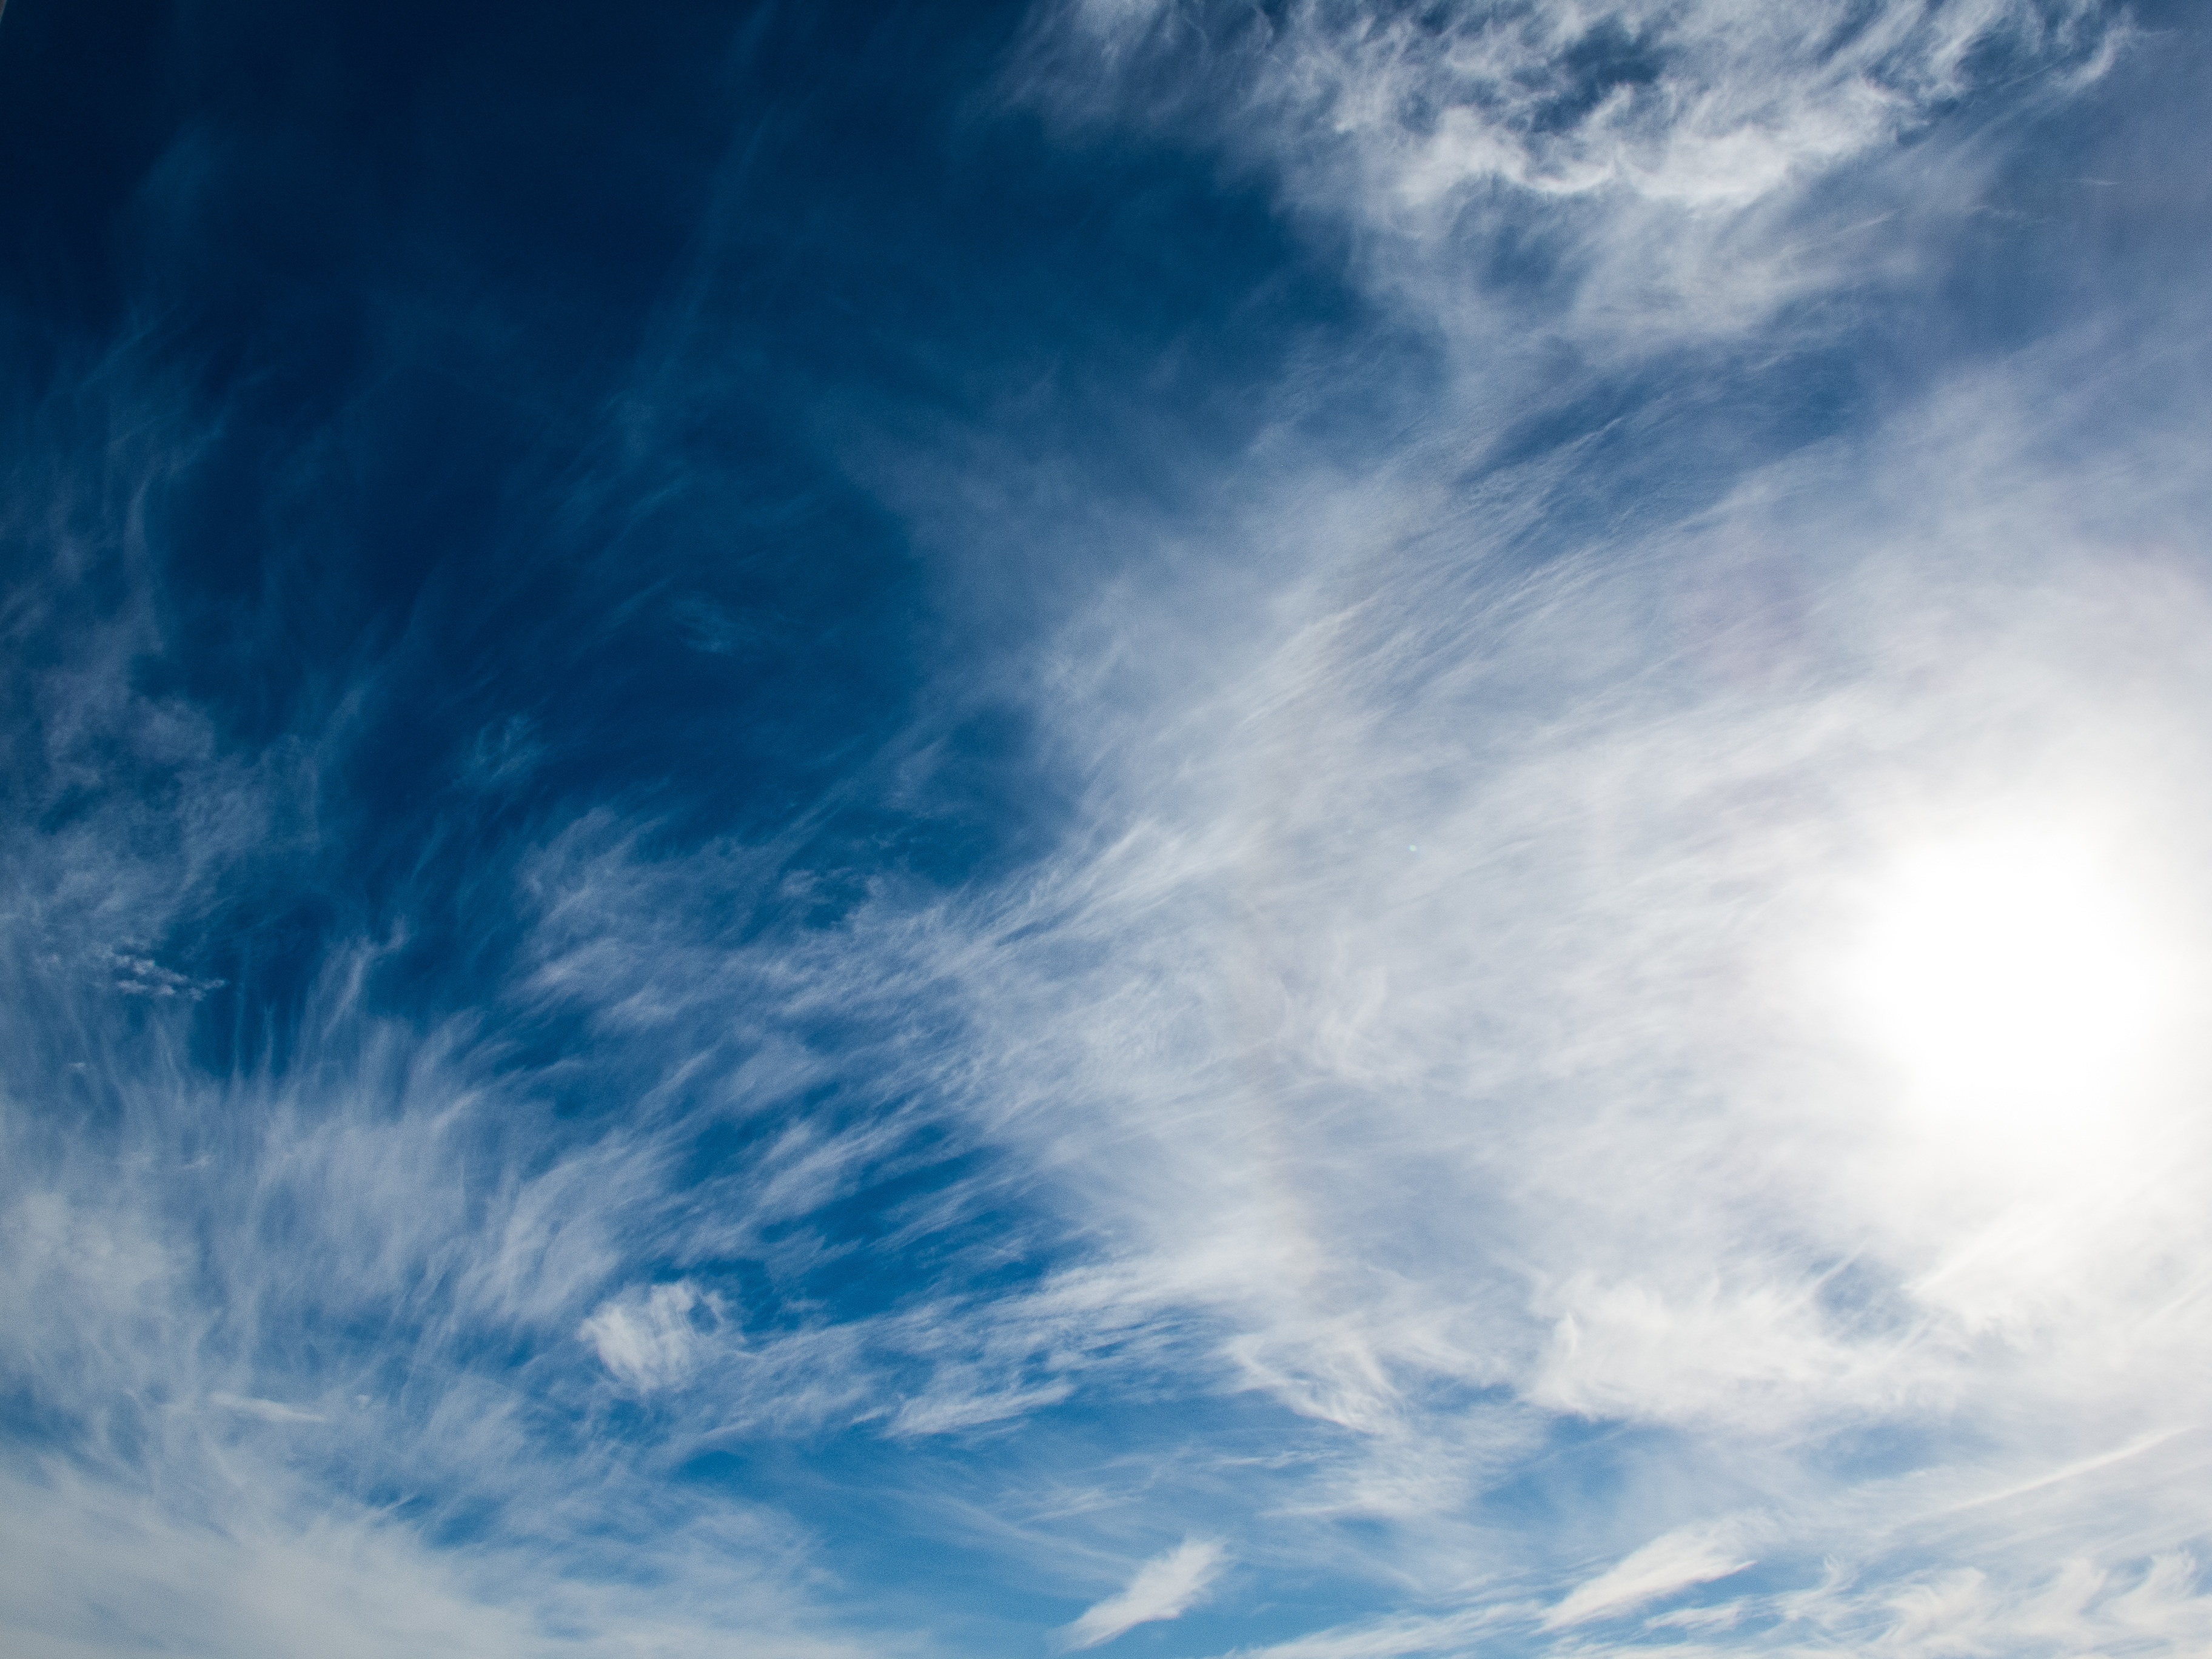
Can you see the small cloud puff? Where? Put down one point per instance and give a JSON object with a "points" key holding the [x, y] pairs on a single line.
{"points": [[1165, 1586], [653, 1339], [143, 976]]}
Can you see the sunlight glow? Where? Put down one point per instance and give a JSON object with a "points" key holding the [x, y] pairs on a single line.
{"points": [[2013, 978]]}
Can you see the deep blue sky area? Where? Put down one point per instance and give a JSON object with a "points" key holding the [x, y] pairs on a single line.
{"points": [[508, 358], [1327, 831]]}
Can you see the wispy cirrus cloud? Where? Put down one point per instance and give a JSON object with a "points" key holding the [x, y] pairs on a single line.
{"points": [[1433, 1017], [1697, 1556], [1619, 178], [1401, 1119], [1166, 1587]]}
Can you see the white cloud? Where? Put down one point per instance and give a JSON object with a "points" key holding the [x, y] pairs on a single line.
{"points": [[1425, 1148], [946, 1412], [268, 1411], [1166, 1587], [1554, 1108], [1692, 102], [1655, 152], [100, 1569], [1696, 1555], [1418, 1152], [649, 1339]]}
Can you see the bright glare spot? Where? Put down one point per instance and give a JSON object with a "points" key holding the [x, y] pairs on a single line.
{"points": [[2013, 978]]}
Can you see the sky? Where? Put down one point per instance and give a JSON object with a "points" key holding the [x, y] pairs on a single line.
{"points": [[1273, 829]]}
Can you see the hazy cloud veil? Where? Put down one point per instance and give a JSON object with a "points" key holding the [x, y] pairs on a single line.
{"points": [[1311, 829]]}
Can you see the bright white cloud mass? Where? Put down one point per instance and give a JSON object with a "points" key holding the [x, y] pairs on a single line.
{"points": [[1319, 830]]}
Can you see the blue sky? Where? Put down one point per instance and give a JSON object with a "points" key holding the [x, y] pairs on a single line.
{"points": [[1317, 830]]}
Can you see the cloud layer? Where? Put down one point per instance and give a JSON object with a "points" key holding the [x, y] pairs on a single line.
{"points": [[1326, 999]]}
